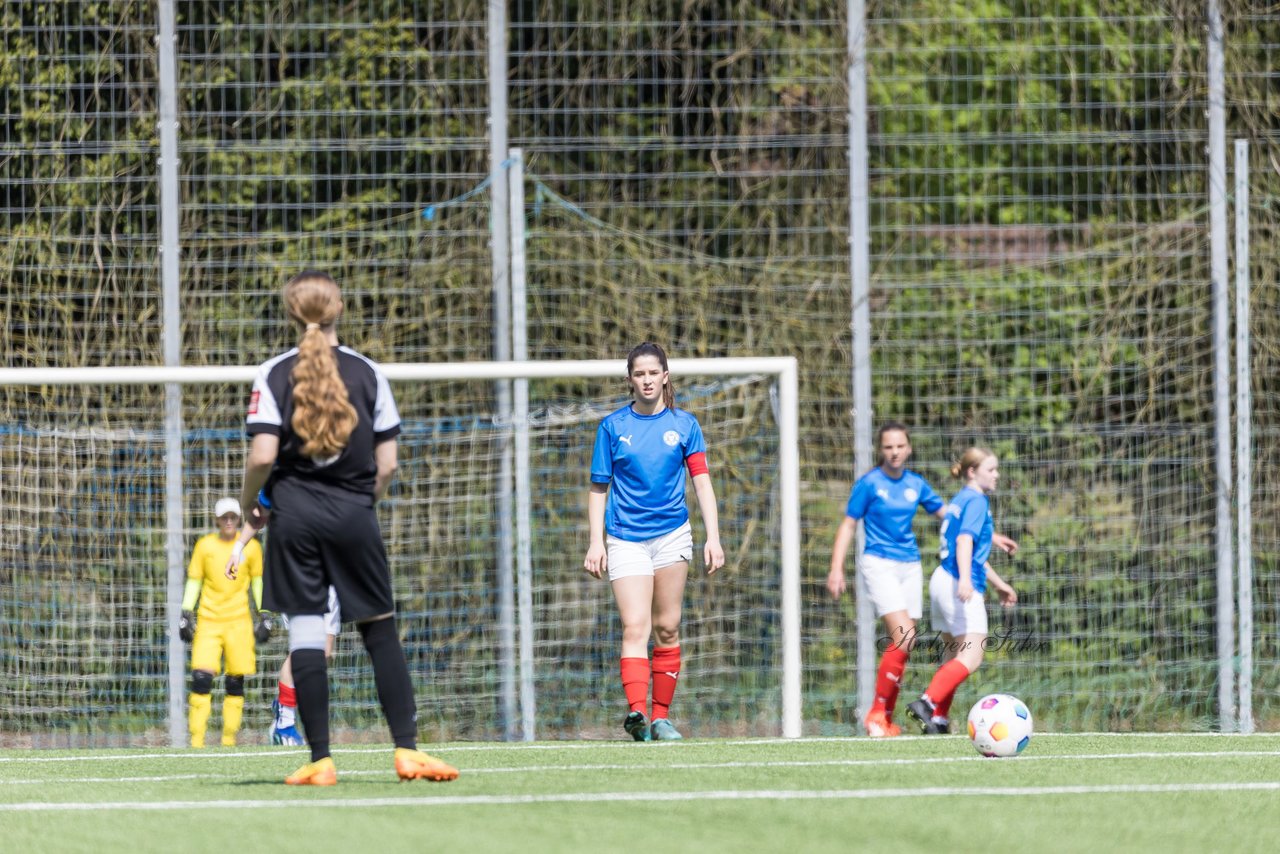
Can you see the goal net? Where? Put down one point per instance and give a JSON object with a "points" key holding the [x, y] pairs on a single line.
{"points": [[89, 577]]}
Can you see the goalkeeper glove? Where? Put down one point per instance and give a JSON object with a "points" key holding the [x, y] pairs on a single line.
{"points": [[187, 626], [262, 631]]}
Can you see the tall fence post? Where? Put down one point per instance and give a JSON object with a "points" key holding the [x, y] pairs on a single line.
{"points": [[860, 321], [499, 248], [1221, 370], [171, 332], [1244, 440], [520, 422]]}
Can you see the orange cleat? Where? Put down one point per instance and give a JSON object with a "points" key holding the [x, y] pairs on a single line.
{"points": [[879, 726], [322, 772], [416, 765]]}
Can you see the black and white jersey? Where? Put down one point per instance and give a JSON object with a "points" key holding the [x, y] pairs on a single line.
{"points": [[353, 469]]}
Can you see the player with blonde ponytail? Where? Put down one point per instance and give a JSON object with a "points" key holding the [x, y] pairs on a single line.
{"points": [[323, 415], [323, 428], [956, 590]]}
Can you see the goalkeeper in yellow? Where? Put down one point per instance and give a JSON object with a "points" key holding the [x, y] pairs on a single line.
{"points": [[224, 624]]}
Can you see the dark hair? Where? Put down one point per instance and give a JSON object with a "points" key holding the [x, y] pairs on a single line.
{"points": [[648, 348], [323, 416], [890, 427]]}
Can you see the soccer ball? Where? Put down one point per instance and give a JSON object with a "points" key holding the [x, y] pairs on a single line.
{"points": [[1000, 725]]}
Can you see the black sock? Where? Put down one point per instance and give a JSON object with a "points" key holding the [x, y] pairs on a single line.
{"points": [[391, 675], [311, 682]]}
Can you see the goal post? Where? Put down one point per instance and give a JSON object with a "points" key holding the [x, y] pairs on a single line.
{"points": [[735, 386]]}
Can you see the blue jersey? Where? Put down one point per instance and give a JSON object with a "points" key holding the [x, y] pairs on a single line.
{"points": [[968, 513], [643, 457], [886, 507]]}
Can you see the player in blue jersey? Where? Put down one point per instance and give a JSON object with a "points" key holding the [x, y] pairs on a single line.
{"points": [[640, 532], [886, 499], [957, 587]]}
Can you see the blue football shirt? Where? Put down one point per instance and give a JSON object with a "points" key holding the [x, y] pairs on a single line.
{"points": [[642, 457], [886, 507], [968, 513]]}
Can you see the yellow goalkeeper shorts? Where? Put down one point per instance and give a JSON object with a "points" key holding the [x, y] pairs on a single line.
{"points": [[212, 638]]}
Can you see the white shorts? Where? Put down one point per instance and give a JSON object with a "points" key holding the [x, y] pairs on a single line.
{"points": [[332, 617], [627, 558], [893, 585], [947, 614]]}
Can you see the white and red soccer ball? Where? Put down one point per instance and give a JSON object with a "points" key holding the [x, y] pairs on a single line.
{"points": [[1000, 725]]}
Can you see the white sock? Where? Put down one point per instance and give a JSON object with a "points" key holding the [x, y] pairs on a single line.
{"points": [[286, 716]]}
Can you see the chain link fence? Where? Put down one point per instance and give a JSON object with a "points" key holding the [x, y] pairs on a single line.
{"points": [[1040, 284]]}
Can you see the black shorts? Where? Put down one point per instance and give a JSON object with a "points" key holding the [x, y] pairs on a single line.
{"points": [[316, 539]]}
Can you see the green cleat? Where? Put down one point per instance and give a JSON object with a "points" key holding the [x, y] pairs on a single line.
{"points": [[662, 730], [636, 726]]}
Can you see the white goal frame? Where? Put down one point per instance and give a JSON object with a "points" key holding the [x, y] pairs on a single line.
{"points": [[784, 369]]}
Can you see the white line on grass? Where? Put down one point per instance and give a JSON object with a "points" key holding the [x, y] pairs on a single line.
{"points": [[90, 756], [649, 797], [695, 766]]}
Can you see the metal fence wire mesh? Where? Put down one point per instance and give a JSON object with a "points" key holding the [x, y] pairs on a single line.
{"points": [[1040, 285]]}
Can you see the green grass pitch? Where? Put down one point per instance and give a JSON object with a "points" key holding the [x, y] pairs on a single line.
{"points": [[1066, 793]]}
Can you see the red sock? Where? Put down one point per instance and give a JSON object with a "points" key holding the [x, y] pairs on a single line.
{"points": [[945, 682], [888, 679], [635, 682], [942, 708], [666, 670], [288, 697]]}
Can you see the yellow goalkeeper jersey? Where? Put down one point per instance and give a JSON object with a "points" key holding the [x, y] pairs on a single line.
{"points": [[222, 598]]}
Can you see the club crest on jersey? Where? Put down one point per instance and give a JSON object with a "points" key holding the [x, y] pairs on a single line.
{"points": [[671, 437], [910, 494]]}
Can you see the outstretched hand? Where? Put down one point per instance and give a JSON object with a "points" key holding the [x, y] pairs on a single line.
{"points": [[1008, 545]]}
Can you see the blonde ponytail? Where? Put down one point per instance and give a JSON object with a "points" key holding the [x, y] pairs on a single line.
{"points": [[323, 416], [970, 459]]}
